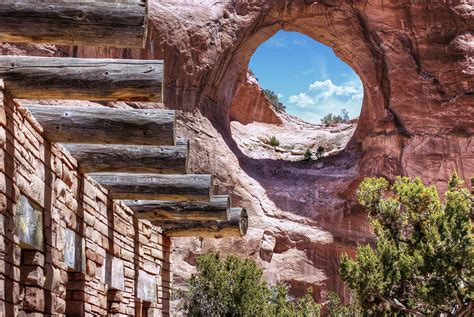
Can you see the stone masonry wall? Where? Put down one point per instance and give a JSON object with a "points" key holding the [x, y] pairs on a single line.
{"points": [[65, 247]]}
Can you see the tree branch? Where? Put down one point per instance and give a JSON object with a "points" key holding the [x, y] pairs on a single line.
{"points": [[402, 307]]}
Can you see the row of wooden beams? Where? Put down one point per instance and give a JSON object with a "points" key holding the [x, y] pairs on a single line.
{"points": [[235, 226], [218, 208], [106, 140], [29, 77], [128, 186], [92, 158], [119, 23], [101, 125]]}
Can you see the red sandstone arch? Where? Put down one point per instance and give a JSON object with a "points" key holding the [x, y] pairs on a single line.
{"points": [[358, 58], [413, 57]]}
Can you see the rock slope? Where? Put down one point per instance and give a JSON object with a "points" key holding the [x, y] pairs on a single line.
{"points": [[250, 104]]}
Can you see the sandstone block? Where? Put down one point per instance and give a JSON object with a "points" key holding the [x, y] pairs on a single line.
{"points": [[115, 296], [31, 257], [75, 308], [34, 299], [32, 275]]}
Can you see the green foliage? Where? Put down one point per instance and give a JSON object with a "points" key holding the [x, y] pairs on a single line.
{"points": [[273, 141], [337, 309], [274, 100], [344, 115], [280, 305], [424, 257], [308, 155], [334, 119], [331, 119], [234, 287], [320, 152]]}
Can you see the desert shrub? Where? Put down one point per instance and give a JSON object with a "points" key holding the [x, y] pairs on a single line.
{"points": [[336, 308], [423, 260], [320, 152], [273, 141], [334, 119], [274, 100], [330, 119], [308, 155], [234, 287], [345, 115]]}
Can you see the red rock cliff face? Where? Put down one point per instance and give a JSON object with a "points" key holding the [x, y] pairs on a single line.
{"points": [[250, 104], [416, 62]]}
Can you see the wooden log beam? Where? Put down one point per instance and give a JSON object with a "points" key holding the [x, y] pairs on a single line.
{"points": [[119, 23], [218, 208], [29, 77], [106, 125], [130, 158], [128, 186], [236, 226]]}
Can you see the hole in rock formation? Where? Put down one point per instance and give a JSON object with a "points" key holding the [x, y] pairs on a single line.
{"points": [[299, 101]]}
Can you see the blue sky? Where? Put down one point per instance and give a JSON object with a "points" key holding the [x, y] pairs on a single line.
{"points": [[310, 80]]}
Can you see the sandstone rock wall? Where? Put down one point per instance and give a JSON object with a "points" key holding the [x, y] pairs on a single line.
{"points": [[65, 246], [416, 64], [250, 104]]}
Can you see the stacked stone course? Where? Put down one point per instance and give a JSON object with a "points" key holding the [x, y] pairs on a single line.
{"points": [[117, 261]]}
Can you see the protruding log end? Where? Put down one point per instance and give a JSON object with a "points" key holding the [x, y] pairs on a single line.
{"points": [[28, 77], [128, 186], [184, 143], [102, 125], [169, 212], [93, 158], [243, 221], [93, 23], [236, 226]]}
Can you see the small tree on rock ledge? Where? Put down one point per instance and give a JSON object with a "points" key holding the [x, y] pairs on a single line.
{"points": [[424, 258], [234, 287], [274, 100]]}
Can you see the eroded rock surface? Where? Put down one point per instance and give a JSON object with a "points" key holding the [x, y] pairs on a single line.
{"points": [[294, 136], [415, 59], [250, 104]]}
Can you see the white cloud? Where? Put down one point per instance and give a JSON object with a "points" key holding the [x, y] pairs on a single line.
{"points": [[356, 98], [301, 100], [323, 97], [328, 89], [280, 96]]}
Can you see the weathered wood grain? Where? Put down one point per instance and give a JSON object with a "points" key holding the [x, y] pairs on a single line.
{"points": [[128, 186], [218, 208], [101, 125], [129, 158], [97, 23], [28, 77], [236, 226]]}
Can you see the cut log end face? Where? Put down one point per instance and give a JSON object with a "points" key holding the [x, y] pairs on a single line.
{"points": [[244, 222]]}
